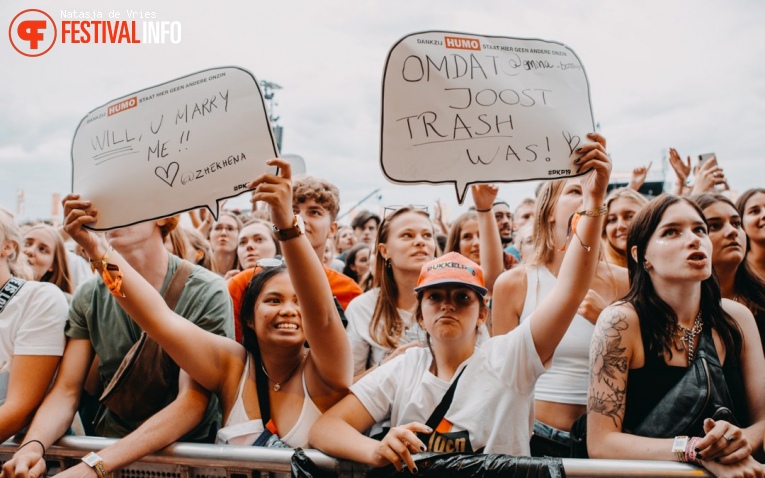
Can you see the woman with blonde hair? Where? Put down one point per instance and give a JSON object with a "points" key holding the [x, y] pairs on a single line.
{"points": [[46, 253], [561, 393], [224, 240], [32, 318], [622, 205]]}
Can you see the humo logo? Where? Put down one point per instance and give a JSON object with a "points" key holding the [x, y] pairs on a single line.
{"points": [[32, 32], [461, 43]]}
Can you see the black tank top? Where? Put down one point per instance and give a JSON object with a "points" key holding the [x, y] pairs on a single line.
{"points": [[646, 386]]}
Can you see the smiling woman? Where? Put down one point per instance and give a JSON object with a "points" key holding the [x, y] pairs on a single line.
{"points": [[271, 389], [46, 253]]}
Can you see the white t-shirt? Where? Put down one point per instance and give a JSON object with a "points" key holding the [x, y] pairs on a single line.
{"points": [[366, 351], [493, 401], [32, 323]]}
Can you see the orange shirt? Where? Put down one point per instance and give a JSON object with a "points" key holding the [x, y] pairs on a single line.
{"points": [[343, 288]]}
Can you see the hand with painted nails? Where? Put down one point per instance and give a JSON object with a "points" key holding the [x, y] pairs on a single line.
{"points": [[597, 162], [398, 446], [724, 443]]}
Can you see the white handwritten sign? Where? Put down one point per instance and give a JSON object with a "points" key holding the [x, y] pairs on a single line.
{"points": [[464, 109], [173, 147]]}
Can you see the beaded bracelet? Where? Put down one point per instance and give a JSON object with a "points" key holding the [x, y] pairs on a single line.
{"points": [[691, 456]]}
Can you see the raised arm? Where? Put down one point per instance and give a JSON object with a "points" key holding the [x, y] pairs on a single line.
{"points": [[492, 260], [330, 350], [553, 315], [200, 353]]}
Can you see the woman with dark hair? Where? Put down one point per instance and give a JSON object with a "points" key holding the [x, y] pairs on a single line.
{"points": [[357, 262], [737, 280], [672, 336], [751, 206], [561, 393], [271, 388], [46, 253]]}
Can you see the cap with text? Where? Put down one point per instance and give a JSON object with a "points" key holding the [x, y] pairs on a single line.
{"points": [[452, 268]]}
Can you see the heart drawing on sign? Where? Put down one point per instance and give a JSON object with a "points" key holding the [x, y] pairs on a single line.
{"points": [[167, 174]]}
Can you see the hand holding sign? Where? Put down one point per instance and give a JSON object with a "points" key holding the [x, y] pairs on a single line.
{"points": [[173, 147], [468, 109]]}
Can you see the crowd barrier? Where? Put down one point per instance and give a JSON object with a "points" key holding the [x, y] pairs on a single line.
{"points": [[191, 460]]}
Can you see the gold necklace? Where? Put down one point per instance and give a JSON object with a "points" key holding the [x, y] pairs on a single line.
{"points": [[278, 385], [688, 336]]}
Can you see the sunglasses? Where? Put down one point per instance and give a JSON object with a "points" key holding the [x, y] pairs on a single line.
{"points": [[269, 262], [390, 210]]}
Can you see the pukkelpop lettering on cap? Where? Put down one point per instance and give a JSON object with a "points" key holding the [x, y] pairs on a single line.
{"points": [[177, 146], [463, 109]]}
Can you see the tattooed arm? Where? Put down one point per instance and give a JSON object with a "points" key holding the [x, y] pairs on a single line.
{"points": [[616, 347]]}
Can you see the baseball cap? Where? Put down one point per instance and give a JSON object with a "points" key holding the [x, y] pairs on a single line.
{"points": [[452, 268]]}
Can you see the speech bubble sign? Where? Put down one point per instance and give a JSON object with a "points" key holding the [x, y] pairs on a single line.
{"points": [[463, 109], [173, 147]]}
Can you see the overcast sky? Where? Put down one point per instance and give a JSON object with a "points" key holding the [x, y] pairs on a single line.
{"points": [[687, 74]]}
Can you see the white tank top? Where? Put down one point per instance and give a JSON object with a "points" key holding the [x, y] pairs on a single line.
{"points": [[567, 379], [240, 430]]}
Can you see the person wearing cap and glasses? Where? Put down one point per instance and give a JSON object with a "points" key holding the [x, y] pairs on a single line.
{"points": [[271, 388], [492, 399]]}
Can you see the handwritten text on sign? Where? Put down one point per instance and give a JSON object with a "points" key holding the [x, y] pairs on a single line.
{"points": [[172, 147], [465, 109]]}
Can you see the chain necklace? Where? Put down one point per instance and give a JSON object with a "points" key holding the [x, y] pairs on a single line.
{"points": [[688, 337], [278, 385]]}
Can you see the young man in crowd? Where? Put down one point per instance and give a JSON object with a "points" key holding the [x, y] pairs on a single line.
{"points": [[99, 328], [365, 225]]}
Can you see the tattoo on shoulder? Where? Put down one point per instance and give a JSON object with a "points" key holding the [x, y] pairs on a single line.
{"points": [[608, 364]]}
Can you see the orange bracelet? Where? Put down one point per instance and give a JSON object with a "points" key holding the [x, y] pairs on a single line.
{"points": [[575, 220], [114, 283]]}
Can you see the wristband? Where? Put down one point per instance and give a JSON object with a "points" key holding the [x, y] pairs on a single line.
{"points": [[483, 210], [691, 456], [114, 283], [680, 447]]}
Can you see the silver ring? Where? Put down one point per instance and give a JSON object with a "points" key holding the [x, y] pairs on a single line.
{"points": [[728, 439]]}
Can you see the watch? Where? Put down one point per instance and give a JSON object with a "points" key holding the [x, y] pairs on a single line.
{"points": [[291, 232], [94, 461]]}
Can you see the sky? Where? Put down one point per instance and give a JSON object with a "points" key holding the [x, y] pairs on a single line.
{"points": [[683, 74]]}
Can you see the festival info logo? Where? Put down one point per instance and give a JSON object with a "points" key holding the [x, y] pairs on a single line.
{"points": [[32, 32]]}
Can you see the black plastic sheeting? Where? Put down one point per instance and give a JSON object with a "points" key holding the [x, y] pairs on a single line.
{"points": [[455, 465]]}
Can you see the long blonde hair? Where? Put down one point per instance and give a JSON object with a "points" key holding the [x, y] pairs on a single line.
{"points": [[11, 233], [544, 235], [59, 276], [386, 325], [612, 255]]}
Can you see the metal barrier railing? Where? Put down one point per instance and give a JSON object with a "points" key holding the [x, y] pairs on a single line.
{"points": [[191, 460]]}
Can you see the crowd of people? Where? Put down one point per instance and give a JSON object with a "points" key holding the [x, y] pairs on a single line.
{"points": [[580, 323]]}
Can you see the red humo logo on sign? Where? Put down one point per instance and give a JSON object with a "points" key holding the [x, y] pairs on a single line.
{"points": [[32, 32], [122, 106], [462, 43]]}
